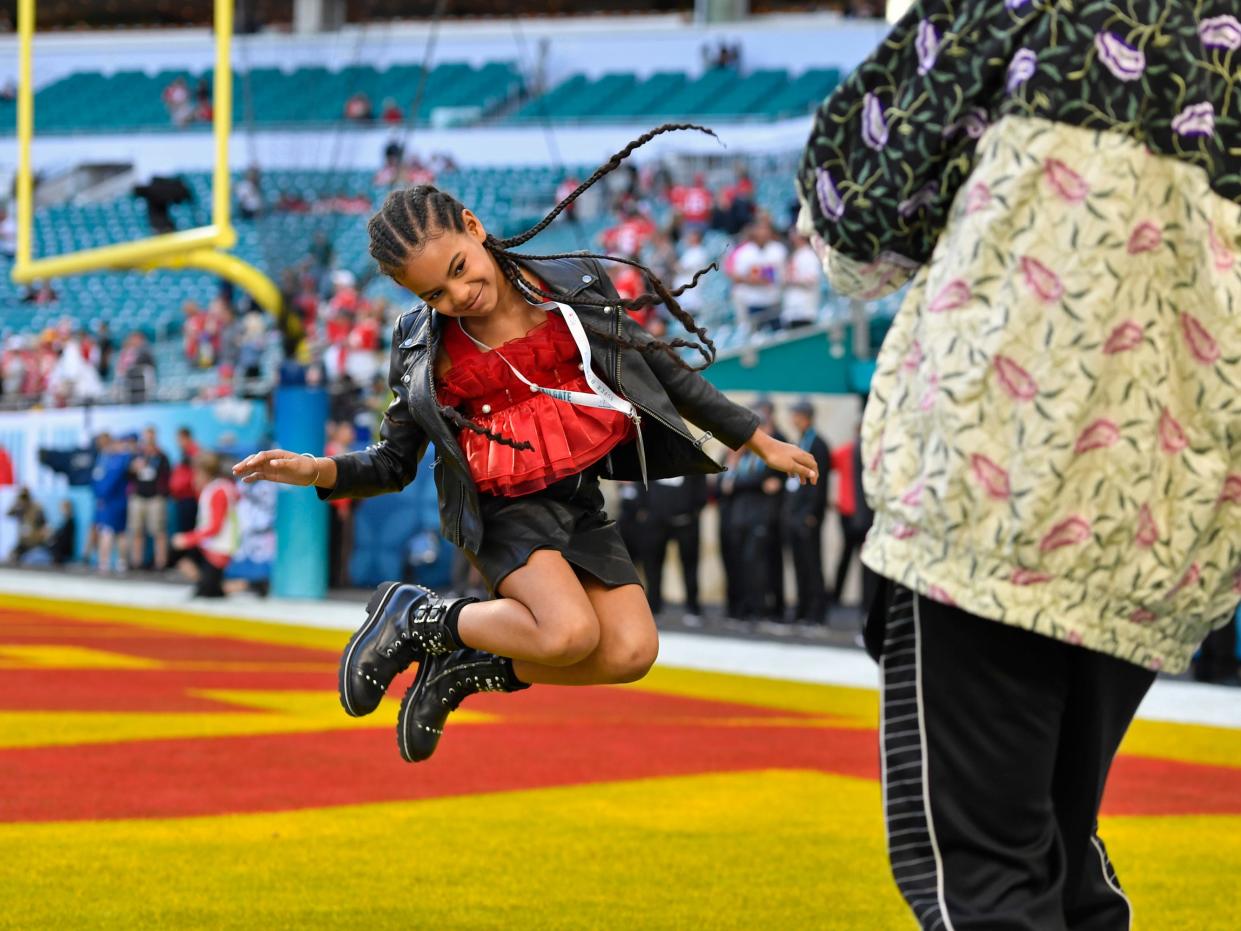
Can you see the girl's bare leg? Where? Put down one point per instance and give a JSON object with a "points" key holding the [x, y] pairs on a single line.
{"points": [[628, 641], [562, 629], [543, 615]]}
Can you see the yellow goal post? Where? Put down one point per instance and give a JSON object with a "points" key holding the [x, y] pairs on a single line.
{"points": [[203, 248]]}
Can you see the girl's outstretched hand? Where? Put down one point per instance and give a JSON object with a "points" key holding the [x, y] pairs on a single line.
{"points": [[785, 457], [278, 465]]}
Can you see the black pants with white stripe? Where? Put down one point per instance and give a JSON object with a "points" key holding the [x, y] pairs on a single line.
{"points": [[996, 746]]}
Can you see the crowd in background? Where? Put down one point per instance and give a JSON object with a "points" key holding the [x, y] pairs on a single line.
{"points": [[69, 365]]}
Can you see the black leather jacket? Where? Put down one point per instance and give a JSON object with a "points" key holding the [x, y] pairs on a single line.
{"points": [[660, 389]]}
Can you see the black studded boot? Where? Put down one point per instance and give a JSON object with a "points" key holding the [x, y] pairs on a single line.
{"points": [[404, 624], [440, 685]]}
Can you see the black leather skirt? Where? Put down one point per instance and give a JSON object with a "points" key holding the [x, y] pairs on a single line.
{"points": [[568, 517]]}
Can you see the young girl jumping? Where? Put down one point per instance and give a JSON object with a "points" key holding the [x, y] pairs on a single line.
{"points": [[532, 382]]}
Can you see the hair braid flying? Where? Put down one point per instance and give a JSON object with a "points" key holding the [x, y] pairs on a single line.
{"points": [[409, 218]]}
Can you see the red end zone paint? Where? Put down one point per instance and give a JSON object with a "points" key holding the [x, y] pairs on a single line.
{"points": [[544, 737]]}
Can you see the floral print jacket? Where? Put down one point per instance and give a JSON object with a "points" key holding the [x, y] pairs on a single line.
{"points": [[1053, 437]]}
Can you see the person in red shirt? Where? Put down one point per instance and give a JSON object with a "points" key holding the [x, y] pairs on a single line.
{"points": [[391, 111], [693, 205], [212, 543], [532, 384]]}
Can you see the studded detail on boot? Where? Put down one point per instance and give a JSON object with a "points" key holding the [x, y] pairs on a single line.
{"points": [[441, 684], [404, 624]]}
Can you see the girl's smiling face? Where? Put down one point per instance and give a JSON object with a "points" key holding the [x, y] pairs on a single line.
{"points": [[454, 273]]}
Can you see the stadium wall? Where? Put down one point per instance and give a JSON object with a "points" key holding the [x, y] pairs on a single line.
{"points": [[589, 45]]}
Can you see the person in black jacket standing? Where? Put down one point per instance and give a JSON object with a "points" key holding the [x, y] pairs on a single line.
{"points": [[805, 509], [754, 525], [674, 506]]}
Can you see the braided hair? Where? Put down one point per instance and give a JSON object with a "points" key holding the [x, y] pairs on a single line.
{"points": [[410, 217]]}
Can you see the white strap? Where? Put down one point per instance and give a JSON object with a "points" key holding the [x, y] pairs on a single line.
{"points": [[600, 395]]}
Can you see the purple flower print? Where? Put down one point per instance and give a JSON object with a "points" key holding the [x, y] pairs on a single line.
{"points": [[1195, 120], [1021, 69], [829, 198], [1119, 57], [1220, 32], [974, 122], [923, 197], [874, 127], [1015, 4], [927, 45]]}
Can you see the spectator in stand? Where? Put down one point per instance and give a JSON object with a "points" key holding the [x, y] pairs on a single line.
{"points": [[110, 483], [631, 234], [362, 357], [675, 508], [200, 337], [726, 216], [182, 488], [135, 368], [252, 345], [212, 543], [415, 172], [40, 293], [563, 190], [148, 502], [693, 205], [204, 112], [105, 348], [358, 108], [8, 233], [250, 194], [32, 530], [64, 539], [693, 258], [756, 268], [629, 284], [805, 509], [391, 112], [15, 365], [803, 284], [390, 171], [223, 324], [73, 379], [176, 97]]}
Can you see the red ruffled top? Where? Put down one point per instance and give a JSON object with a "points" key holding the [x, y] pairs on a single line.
{"points": [[567, 438]]}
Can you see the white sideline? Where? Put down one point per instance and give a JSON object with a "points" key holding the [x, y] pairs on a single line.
{"points": [[1183, 702]]}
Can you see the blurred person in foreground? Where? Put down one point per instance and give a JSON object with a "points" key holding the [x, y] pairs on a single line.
{"points": [[1050, 441], [211, 544]]}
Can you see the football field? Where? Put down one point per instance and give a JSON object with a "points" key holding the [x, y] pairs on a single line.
{"points": [[163, 768]]}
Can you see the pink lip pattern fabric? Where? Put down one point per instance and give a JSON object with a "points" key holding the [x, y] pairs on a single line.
{"points": [[1061, 384]]}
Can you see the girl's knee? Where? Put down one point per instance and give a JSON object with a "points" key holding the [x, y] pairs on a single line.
{"points": [[567, 641], [632, 658]]}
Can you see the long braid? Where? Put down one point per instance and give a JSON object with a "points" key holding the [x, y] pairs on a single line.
{"points": [[705, 346], [408, 218], [610, 165], [455, 416]]}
